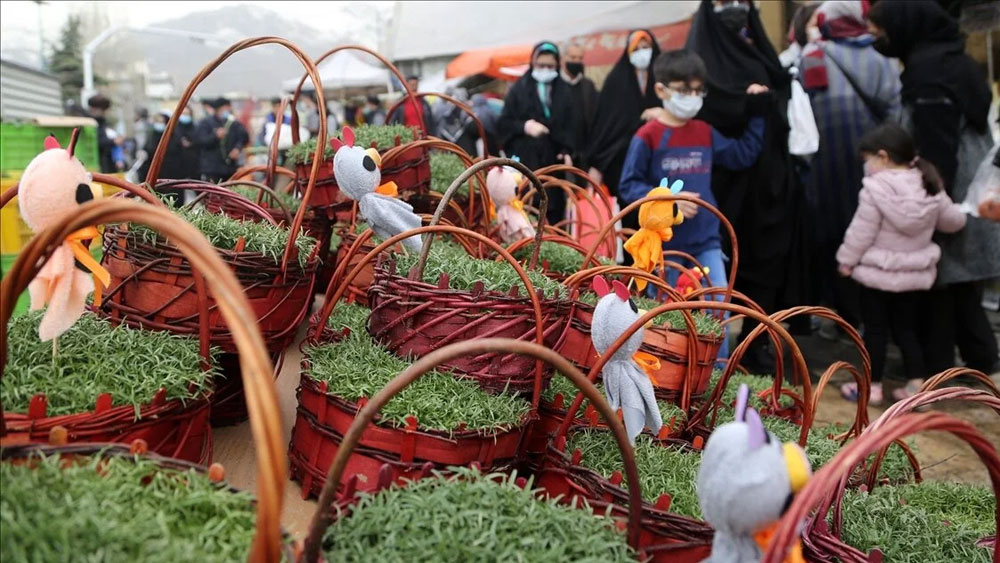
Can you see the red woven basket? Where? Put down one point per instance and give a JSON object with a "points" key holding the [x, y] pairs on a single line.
{"points": [[173, 428], [386, 453], [329, 498]]}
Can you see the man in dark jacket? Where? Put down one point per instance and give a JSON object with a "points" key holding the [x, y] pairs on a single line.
{"points": [[98, 107], [221, 139], [584, 100]]}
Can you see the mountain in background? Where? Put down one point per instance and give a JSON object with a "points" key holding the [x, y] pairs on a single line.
{"points": [[257, 71]]}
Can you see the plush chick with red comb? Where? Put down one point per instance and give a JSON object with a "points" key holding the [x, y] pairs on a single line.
{"points": [[627, 386], [54, 186], [359, 177]]}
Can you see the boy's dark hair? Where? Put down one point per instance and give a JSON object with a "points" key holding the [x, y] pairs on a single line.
{"points": [[898, 144], [679, 65]]}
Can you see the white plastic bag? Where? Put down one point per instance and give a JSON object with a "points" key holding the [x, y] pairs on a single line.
{"points": [[985, 186], [803, 136], [285, 136]]}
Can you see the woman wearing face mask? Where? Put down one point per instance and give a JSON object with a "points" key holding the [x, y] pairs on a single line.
{"points": [[189, 149], [946, 100], [852, 88], [535, 124], [763, 202], [627, 100]]}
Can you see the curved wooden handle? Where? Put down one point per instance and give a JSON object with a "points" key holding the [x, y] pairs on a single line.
{"points": [[331, 301], [144, 194], [324, 515], [388, 64], [255, 365], [272, 149], [830, 476], [263, 189], [311, 72], [455, 102], [697, 201], [418, 271]]}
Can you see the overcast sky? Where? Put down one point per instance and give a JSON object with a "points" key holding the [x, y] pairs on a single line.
{"points": [[19, 18]]}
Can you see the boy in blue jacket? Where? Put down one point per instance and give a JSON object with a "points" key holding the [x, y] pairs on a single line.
{"points": [[678, 147]]}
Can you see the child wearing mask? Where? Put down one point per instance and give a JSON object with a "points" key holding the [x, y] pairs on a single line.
{"points": [[888, 249], [678, 147]]}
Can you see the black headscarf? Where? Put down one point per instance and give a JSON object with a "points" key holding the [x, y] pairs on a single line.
{"points": [[732, 65], [522, 103], [928, 41], [619, 110]]}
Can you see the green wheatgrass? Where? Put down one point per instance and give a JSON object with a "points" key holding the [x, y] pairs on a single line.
{"points": [[704, 323], [96, 357], [224, 232], [930, 522], [559, 258], [358, 367], [445, 168], [132, 510], [384, 137], [252, 192], [464, 271], [471, 518]]}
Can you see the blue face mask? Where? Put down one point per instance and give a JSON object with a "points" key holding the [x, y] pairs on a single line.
{"points": [[159, 127], [185, 119], [225, 115]]}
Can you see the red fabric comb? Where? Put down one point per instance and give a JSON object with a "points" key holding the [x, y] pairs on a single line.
{"points": [[620, 290], [335, 144], [601, 286], [348, 135], [51, 142]]}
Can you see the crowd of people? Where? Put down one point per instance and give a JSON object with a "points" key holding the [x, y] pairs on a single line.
{"points": [[864, 220], [867, 222]]}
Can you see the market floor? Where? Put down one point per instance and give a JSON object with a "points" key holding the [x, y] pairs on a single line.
{"points": [[942, 456]]}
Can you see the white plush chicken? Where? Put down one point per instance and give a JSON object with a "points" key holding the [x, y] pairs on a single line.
{"points": [[358, 175]]}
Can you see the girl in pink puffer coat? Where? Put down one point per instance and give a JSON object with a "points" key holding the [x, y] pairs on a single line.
{"points": [[888, 249]]}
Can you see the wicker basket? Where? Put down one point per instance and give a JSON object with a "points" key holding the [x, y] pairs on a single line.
{"points": [[367, 414]]}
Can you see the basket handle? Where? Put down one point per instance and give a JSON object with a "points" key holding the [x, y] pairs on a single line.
{"points": [[678, 197], [331, 300], [418, 270], [263, 189], [433, 143], [144, 194], [311, 72], [207, 189], [568, 242], [574, 193], [323, 516], [601, 192], [256, 370], [272, 149], [689, 306], [832, 477], [248, 171], [455, 102]]}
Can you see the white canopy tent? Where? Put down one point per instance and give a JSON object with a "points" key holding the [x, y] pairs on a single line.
{"points": [[347, 69]]}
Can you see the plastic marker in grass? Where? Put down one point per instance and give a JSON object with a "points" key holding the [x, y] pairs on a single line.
{"points": [[54, 186], [358, 174], [626, 385], [746, 482]]}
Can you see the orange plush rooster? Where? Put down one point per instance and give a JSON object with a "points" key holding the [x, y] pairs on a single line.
{"points": [[54, 186]]}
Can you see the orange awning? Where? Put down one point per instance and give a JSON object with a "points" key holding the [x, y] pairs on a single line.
{"points": [[492, 62]]}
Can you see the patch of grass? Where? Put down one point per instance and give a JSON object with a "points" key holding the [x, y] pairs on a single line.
{"points": [[445, 167], [561, 259], [251, 193], [471, 518], [384, 137], [465, 271], [358, 367], [561, 384], [223, 232], [704, 323], [930, 522], [95, 357], [117, 509], [756, 383]]}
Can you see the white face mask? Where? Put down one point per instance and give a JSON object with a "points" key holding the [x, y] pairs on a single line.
{"points": [[544, 75], [640, 58], [684, 106]]}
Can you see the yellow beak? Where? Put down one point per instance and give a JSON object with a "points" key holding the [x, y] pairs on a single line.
{"points": [[648, 323], [375, 156], [96, 190], [797, 463]]}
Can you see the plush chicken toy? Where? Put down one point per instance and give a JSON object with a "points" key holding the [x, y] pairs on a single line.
{"points": [[690, 280], [358, 175], [53, 187], [511, 219], [745, 483], [656, 222], [626, 384]]}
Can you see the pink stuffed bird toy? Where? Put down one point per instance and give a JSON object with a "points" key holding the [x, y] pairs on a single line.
{"points": [[511, 218], [54, 186]]}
